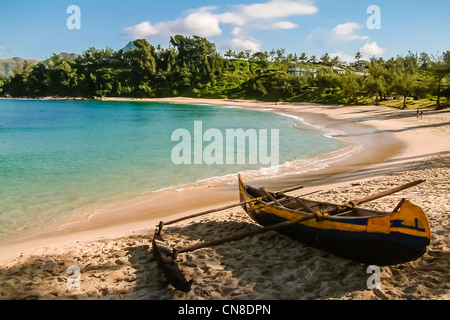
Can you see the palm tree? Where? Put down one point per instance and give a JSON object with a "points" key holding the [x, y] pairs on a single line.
{"points": [[229, 53], [325, 59], [358, 56], [335, 61], [303, 57], [272, 54]]}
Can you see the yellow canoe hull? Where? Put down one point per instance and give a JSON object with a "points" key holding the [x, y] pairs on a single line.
{"points": [[367, 236]]}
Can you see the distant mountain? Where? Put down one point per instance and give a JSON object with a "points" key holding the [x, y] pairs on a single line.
{"points": [[130, 46], [7, 66], [62, 55], [72, 55]]}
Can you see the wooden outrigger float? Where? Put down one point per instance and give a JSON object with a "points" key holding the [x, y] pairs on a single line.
{"points": [[368, 236], [166, 261]]}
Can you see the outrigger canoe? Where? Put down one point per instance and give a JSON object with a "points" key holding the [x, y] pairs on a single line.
{"points": [[368, 236]]}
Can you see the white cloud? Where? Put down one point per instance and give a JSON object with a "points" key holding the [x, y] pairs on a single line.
{"points": [[205, 21], [278, 9], [371, 49], [282, 25], [346, 32], [266, 15], [241, 44], [343, 56], [200, 22], [236, 31], [141, 30], [232, 18]]}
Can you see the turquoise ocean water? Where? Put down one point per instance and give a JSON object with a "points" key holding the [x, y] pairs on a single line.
{"points": [[62, 157]]}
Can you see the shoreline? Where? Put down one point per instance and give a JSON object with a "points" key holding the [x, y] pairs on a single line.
{"points": [[113, 222], [393, 141], [87, 213]]}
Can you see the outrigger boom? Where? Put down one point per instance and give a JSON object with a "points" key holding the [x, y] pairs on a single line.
{"points": [[161, 224]]}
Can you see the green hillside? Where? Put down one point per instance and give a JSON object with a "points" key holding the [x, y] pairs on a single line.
{"points": [[192, 67]]}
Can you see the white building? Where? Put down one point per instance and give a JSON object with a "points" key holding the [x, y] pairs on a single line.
{"points": [[303, 71], [338, 70]]}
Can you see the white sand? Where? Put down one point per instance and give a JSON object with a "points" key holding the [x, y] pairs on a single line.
{"points": [[113, 249]]}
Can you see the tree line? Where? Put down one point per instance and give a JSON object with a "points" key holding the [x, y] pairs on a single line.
{"points": [[192, 67]]}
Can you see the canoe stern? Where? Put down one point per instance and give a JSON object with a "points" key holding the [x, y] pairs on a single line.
{"points": [[411, 220]]}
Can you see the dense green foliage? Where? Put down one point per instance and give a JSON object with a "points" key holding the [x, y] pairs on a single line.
{"points": [[192, 67]]}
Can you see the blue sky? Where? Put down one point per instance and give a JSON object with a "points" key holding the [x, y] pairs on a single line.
{"points": [[36, 29]]}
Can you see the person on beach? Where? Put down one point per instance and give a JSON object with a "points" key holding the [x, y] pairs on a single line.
{"points": [[419, 114]]}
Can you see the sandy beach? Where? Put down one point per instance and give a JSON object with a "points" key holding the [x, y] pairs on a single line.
{"points": [[112, 249]]}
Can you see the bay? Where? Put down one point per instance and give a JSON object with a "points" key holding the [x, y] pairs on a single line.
{"points": [[60, 157]]}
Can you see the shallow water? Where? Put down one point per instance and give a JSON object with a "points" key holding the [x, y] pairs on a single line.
{"points": [[60, 157]]}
